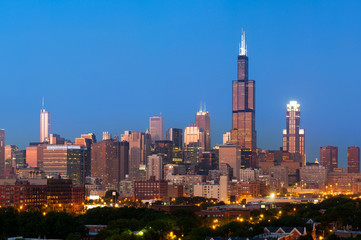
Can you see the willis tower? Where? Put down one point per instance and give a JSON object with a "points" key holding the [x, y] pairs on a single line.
{"points": [[243, 131]]}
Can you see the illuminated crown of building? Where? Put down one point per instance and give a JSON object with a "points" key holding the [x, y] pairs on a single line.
{"points": [[293, 106]]}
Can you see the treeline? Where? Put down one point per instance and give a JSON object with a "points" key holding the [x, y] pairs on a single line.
{"points": [[144, 223]]}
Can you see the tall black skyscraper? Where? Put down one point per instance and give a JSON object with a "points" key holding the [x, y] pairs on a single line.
{"points": [[243, 131]]}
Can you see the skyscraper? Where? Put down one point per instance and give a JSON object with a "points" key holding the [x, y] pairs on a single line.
{"points": [[156, 126], [329, 157], [139, 150], [44, 125], [176, 136], [293, 136], [232, 155], [226, 137], [65, 160], [194, 143], [2, 151], [154, 167], [203, 121], [109, 160], [353, 159], [243, 131]]}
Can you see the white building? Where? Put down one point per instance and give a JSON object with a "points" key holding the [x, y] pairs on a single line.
{"points": [[156, 126]]}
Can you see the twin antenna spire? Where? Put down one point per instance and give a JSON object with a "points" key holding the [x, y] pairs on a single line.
{"points": [[42, 103], [242, 45], [201, 107]]}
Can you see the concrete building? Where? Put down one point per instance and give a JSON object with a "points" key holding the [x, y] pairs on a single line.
{"points": [[215, 191], [203, 122], [139, 150], [147, 190], [65, 160], [249, 175], [313, 176], [44, 125], [278, 178], [156, 127], [293, 135], [329, 157], [194, 143], [2, 151], [109, 161], [353, 159], [154, 167], [226, 137], [231, 155]]}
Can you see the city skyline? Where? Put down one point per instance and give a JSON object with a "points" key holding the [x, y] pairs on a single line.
{"points": [[71, 117]]}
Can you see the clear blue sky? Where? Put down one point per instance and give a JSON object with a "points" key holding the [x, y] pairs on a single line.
{"points": [[109, 65]]}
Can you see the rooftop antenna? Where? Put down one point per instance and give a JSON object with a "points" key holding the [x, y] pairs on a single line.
{"points": [[205, 107], [200, 107], [42, 103], [242, 44]]}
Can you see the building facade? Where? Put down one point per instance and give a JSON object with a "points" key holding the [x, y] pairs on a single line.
{"points": [[203, 122], [2, 151], [139, 150], [353, 159], [154, 167], [232, 155], [156, 127], [243, 131], [109, 161], [329, 157], [44, 125], [293, 136], [65, 160]]}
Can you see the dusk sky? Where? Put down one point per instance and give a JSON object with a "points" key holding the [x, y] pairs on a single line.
{"points": [[110, 65]]}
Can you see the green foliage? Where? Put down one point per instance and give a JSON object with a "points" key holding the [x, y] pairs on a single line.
{"points": [[305, 237], [125, 223]]}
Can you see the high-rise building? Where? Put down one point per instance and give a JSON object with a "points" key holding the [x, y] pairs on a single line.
{"points": [[109, 160], [106, 136], [232, 155], [329, 157], [164, 148], [154, 167], [226, 137], [156, 126], [176, 136], [10, 155], [203, 121], [293, 136], [207, 161], [243, 131], [44, 125], [20, 159], [194, 143], [2, 151], [353, 159], [55, 139], [65, 160], [125, 136], [139, 150], [87, 140]]}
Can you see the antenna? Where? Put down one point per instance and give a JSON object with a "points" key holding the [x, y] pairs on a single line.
{"points": [[42, 103], [205, 107], [200, 107], [242, 44]]}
